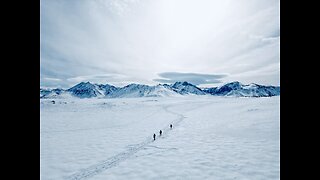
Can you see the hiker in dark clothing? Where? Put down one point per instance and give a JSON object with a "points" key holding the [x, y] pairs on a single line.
{"points": [[171, 126], [160, 132], [154, 136]]}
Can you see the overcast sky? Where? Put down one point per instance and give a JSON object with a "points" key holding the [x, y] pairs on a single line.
{"points": [[205, 42]]}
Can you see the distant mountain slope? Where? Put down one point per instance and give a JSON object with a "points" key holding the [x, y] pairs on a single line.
{"points": [[54, 93], [138, 90], [85, 90], [89, 90], [186, 88], [238, 89], [133, 90]]}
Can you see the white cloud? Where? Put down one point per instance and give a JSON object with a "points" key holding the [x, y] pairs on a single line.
{"points": [[194, 78], [100, 79], [139, 39], [51, 79]]}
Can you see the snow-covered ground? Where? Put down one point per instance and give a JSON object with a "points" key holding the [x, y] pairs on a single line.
{"points": [[212, 138]]}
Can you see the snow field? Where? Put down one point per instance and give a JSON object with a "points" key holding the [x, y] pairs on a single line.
{"points": [[212, 138]]}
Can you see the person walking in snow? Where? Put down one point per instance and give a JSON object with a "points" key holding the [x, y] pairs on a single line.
{"points": [[154, 137], [171, 126], [160, 132]]}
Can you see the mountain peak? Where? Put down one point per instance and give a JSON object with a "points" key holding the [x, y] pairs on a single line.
{"points": [[237, 83], [238, 89], [184, 83], [83, 84], [84, 90], [186, 88]]}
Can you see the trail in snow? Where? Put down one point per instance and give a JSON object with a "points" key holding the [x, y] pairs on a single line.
{"points": [[113, 161]]}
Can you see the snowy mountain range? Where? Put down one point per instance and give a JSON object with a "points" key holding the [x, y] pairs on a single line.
{"points": [[89, 90], [238, 89]]}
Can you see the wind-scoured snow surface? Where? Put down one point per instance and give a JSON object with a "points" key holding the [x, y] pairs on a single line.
{"points": [[212, 138]]}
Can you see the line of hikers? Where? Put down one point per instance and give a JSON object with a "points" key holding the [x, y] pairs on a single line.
{"points": [[160, 132]]}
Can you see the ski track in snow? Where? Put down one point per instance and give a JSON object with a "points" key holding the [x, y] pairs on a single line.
{"points": [[115, 160]]}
